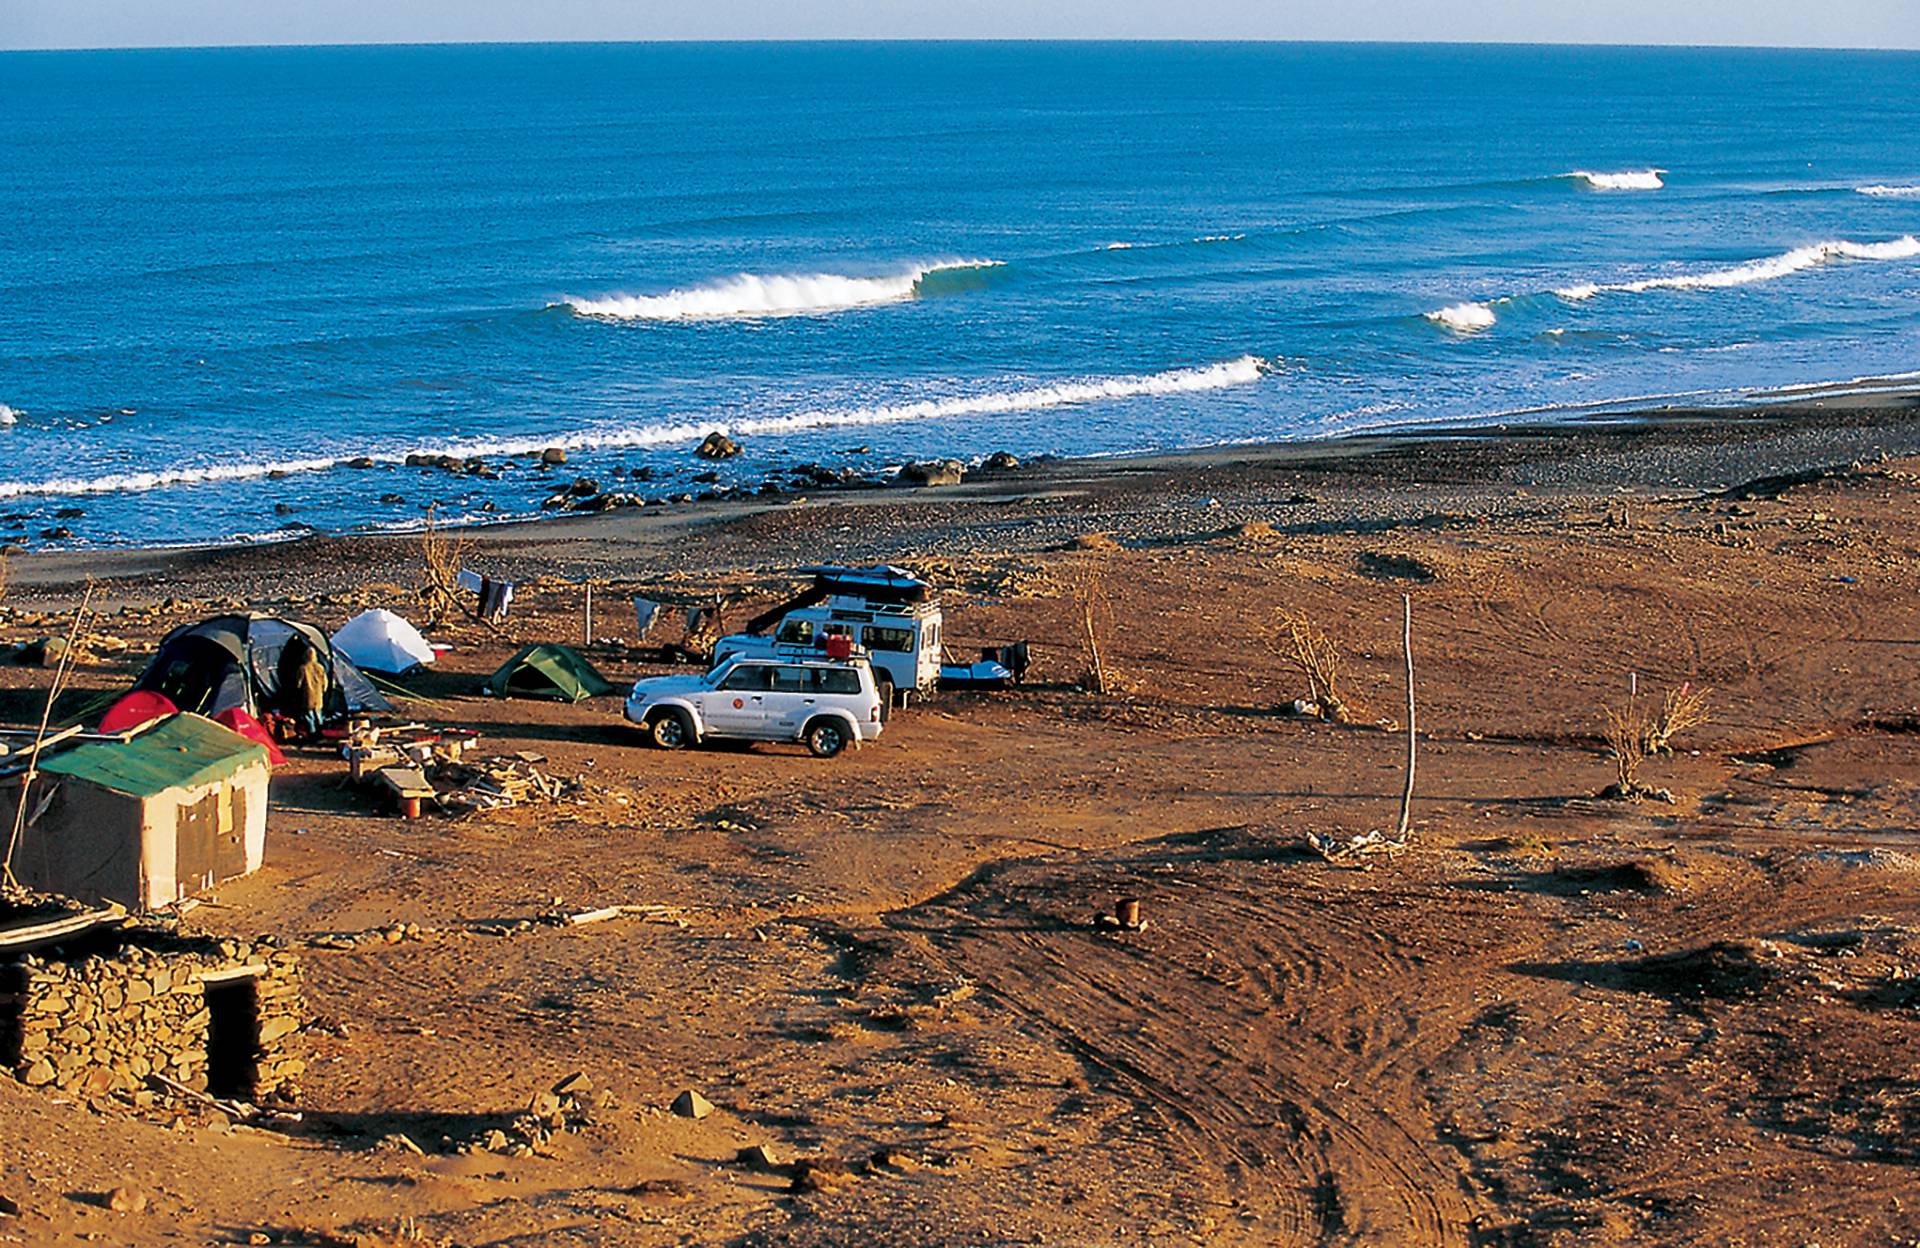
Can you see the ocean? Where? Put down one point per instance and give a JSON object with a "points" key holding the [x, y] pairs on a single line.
{"points": [[230, 274]]}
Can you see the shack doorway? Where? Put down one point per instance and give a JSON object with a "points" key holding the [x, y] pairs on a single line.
{"points": [[233, 1037]]}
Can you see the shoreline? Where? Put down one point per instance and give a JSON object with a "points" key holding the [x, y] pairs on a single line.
{"points": [[1362, 477]]}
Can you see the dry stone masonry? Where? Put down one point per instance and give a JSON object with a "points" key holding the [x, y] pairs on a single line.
{"points": [[109, 1012]]}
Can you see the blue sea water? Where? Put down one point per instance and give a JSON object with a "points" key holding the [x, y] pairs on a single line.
{"points": [[225, 273]]}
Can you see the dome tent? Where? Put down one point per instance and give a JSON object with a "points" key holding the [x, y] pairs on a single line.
{"points": [[548, 671], [380, 641], [234, 661]]}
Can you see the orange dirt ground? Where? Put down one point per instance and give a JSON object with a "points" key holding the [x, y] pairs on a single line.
{"points": [[1554, 1020]]}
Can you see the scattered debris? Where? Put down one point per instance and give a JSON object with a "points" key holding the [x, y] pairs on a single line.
{"points": [[820, 1174], [418, 765]]}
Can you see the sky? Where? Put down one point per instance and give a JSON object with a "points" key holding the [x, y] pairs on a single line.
{"points": [[153, 23]]}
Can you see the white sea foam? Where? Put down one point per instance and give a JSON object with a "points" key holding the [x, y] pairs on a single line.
{"points": [[1763, 270], [1632, 180], [1238, 372], [752, 296], [9, 415], [1120, 246], [1890, 192], [1465, 318]]}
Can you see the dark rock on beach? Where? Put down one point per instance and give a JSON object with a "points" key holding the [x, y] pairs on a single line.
{"points": [[933, 472], [717, 445]]}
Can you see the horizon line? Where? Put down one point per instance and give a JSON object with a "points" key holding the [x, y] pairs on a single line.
{"points": [[956, 40]]}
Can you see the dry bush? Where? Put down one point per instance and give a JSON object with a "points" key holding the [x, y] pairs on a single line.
{"points": [[1680, 710], [1319, 660], [442, 555], [1094, 610], [1627, 729]]}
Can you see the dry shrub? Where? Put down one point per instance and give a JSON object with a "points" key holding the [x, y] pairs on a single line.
{"points": [[1095, 611], [1627, 729], [442, 555], [1101, 542], [1680, 710], [1319, 660]]}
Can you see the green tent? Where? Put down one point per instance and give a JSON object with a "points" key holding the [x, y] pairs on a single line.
{"points": [[548, 671]]}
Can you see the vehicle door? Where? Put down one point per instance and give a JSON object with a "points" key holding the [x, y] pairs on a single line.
{"points": [[932, 647], [842, 689], [737, 707], [790, 700], [890, 647]]}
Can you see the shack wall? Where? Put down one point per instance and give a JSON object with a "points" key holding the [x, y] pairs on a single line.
{"points": [[85, 842], [98, 845]]}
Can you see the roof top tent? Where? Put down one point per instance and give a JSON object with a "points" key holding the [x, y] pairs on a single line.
{"points": [[887, 611]]}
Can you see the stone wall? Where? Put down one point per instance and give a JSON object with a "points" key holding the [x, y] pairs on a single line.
{"points": [[102, 1021]]}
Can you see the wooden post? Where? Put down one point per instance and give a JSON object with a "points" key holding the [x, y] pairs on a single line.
{"points": [[40, 737], [1090, 592], [586, 622], [1413, 746]]}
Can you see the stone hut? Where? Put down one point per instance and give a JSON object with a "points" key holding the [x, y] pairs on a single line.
{"points": [[109, 1006]]}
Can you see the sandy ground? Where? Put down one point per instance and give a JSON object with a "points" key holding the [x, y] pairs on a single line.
{"points": [[1553, 1020]]}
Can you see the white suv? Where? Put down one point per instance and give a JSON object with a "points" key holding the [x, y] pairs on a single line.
{"points": [[824, 703]]}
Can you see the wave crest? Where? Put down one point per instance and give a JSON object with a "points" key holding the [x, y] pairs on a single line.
{"points": [[1238, 372], [751, 296], [9, 415], [1631, 180], [1890, 192], [1767, 269], [1464, 318]]}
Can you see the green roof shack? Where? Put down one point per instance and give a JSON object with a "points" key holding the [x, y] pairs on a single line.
{"points": [[147, 821]]}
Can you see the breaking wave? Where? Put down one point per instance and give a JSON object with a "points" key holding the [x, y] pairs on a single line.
{"points": [[9, 415], [1763, 270], [1632, 180], [1238, 372], [751, 296], [1890, 192], [1464, 318]]}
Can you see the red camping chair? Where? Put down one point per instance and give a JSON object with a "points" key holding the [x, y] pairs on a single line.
{"points": [[237, 720], [136, 709]]}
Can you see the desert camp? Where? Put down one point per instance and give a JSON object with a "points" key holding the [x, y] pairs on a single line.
{"points": [[746, 900]]}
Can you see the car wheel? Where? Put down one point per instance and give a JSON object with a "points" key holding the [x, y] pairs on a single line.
{"points": [[826, 737], [670, 730]]}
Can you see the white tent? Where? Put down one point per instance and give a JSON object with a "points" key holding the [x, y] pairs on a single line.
{"points": [[380, 641]]}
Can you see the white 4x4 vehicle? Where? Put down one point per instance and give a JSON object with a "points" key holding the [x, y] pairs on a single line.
{"points": [[825, 704]]}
